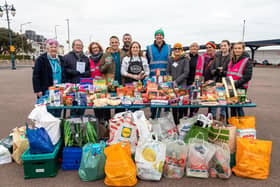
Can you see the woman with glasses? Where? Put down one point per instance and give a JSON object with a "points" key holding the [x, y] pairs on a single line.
{"points": [[178, 67], [48, 71], [209, 57], [96, 53]]}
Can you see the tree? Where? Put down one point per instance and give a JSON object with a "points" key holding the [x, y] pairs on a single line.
{"points": [[17, 42]]}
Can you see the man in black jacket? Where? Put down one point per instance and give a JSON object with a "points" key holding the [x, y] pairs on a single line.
{"points": [[77, 65]]}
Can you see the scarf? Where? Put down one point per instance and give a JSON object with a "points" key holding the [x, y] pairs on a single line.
{"points": [[96, 57]]}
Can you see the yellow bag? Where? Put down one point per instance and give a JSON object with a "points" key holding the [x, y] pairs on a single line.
{"points": [[20, 144], [120, 169], [245, 126], [252, 158]]}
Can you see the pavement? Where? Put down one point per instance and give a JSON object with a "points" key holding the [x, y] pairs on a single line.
{"points": [[17, 100]]}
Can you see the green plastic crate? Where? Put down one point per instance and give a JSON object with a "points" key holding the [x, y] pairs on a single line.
{"points": [[41, 165]]}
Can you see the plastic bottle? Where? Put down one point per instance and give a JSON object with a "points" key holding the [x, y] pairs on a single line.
{"points": [[51, 95]]}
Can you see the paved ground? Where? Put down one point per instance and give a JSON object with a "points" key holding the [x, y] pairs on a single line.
{"points": [[17, 99]]}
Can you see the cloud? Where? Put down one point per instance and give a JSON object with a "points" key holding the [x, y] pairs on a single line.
{"points": [[183, 21]]}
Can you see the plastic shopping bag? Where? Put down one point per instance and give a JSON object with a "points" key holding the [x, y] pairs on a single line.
{"points": [[149, 158], [120, 169], [185, 126], [92, 162], [245, 126], [42, 118], [252, 158], [5, 155], [164, 127], [8, 143], [175, 162], [220, 163], [39, 141], [150, 153], [122, 128], [20, 144], [200, 154]]}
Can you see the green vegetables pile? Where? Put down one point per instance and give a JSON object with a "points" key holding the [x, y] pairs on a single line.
{"points": [[78, 134]]}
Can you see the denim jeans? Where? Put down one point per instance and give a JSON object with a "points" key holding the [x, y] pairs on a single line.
{"points": [[238, 111]]}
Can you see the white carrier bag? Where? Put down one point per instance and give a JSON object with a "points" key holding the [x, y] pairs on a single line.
{"points": [[150, 153], [42, 118]]}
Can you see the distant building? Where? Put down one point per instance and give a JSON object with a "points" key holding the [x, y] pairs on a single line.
{"points": [[272, 56], [37, 42]]}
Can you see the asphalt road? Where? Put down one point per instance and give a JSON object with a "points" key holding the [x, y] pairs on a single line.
{"points": [[17, 100]]}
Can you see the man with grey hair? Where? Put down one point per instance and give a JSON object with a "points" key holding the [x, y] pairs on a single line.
{"points": [[77, 64], [127, 39]]}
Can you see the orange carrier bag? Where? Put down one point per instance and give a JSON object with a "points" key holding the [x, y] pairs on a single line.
{"points": [[245, 126], [120, 169], [252, 158]]}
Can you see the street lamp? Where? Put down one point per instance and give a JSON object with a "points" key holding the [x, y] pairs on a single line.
{"points": [[22, 37], [55, 31], [68, 33], [12, 9]]}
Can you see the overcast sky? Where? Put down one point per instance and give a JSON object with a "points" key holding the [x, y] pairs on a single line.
{"points": [[182, 20]]}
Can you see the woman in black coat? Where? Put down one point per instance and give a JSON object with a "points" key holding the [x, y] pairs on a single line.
{"points": [[48, 71]]}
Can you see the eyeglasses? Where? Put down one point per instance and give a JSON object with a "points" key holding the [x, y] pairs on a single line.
{"points": [[177, 48], [94, 48], [209, 47]]}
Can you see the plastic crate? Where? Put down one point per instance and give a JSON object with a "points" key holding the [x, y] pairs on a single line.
{"points": [[41, 165], [71, 158]]}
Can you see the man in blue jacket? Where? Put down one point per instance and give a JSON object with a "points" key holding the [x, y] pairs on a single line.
{"points": [[157, 55]]}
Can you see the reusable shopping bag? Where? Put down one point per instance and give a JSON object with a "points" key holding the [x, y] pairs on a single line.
{"points": [[42, 118], [150, 153], [197, 132], [252, 158], [200, 127], [20, 144], [245, 126], [200, 154], [120, 169], [92, 162], [39, 141], [176, 156], [220, 163], [122, 128]]}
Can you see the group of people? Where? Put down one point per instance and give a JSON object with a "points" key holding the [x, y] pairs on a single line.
{"points": [[129, 64]]}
